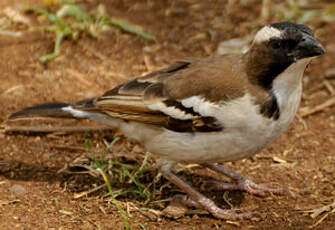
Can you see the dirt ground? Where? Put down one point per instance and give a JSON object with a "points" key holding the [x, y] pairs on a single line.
{"points": [[35, 193]]}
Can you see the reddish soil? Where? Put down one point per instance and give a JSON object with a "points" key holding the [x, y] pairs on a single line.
{"points": [[36, 194]]}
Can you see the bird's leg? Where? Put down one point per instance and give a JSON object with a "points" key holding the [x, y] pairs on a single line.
{"points": [[198, 200], [243, 183]]}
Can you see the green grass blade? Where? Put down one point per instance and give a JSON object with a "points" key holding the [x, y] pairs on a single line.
{"points": [[128, 28], [124, 215], [114, 201], [48, 57], [50, 16], [73, 11]]}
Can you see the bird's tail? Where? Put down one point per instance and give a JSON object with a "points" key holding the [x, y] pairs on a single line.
{"points": [[52, 110], [81, 110]]}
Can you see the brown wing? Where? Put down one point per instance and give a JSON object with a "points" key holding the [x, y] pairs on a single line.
{"points": [[156, 97]]}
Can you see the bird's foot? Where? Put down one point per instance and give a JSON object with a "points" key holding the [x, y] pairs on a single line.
{"points": [[247, 186], [243, 184], [211, 207], [198, 200]]}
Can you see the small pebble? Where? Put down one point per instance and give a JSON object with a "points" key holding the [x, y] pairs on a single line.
{"points": [[18, 190]]}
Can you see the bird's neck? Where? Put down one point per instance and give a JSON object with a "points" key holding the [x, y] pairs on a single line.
{"points": [[283, 84], [261, 68], [290, 80]]}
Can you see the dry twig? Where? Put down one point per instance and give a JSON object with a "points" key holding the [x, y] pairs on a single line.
{"points": [[330, 208], [306, 111], [60, 129], [318, 211], [302, 121], [9, 202], [79, 195], [315, 88], [322, 219], [329, 87]]}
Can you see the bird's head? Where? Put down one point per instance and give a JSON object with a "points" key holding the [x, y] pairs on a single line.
{"points": [[277, 46]]}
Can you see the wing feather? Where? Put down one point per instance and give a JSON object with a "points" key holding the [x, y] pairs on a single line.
{"points": [[152, 99]]}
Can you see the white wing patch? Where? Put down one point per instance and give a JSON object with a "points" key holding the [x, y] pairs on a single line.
{"points": [[171, 111], [76, 113], [198, 104], [201, 106]]}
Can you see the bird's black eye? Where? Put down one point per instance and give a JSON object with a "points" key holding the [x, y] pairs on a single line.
{"points": [[275, 43]]}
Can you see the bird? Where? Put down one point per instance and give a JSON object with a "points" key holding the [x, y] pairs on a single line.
{"points": [[209, 110]]}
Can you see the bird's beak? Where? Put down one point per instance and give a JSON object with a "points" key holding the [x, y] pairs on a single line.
{"points": [[309, 47]]}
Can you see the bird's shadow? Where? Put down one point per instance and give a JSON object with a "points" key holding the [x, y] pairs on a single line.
{"points": [[21, 171], [78, 181]]}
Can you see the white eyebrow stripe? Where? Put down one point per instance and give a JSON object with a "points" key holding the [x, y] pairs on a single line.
{"points": [[266, 33]]}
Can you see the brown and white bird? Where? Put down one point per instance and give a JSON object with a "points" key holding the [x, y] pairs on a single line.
{"points": [[210, 110]]}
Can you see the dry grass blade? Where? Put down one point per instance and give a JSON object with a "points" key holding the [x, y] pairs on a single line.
{"points": [[318, 211], [226, 199], [322, 219], [12, 89], [315, 88], [9, 202], [64, 212], [329, 87], [279, 160], [302, 121], [89, 170], [306, 111], [11, 33], [79, 195]]}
